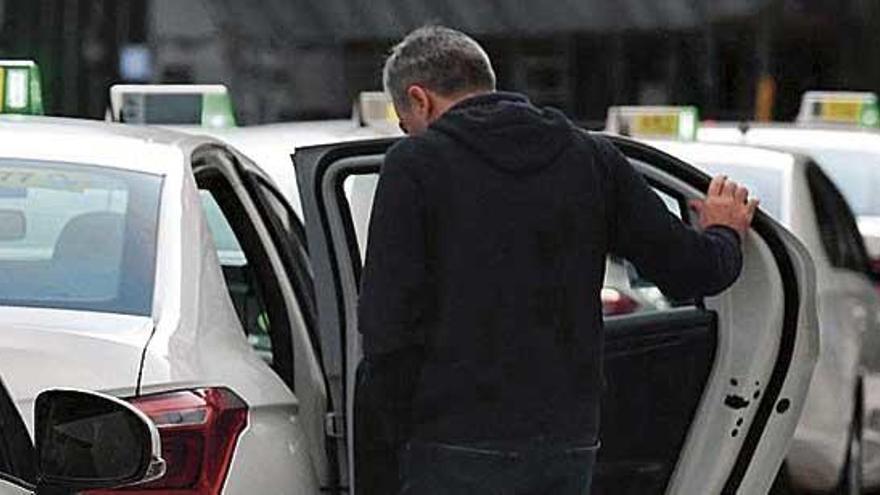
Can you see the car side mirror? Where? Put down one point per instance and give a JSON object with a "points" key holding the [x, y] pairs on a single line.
{"points": [[87, 441]]}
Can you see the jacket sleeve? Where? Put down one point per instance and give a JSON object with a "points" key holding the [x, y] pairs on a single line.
{"points": [[394, 276], [682, 261]]}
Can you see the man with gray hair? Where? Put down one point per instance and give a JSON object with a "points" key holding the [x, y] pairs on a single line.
{"points": [[480, 309]]}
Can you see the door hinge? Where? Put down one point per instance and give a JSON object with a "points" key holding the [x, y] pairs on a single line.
{"points": [[334, 425]]}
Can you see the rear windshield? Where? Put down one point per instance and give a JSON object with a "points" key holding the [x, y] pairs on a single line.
{"points": [[77, 237], [856, 174], [763, 183]]}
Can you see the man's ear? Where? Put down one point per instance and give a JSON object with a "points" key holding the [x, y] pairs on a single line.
{"points": [[419, 101]]}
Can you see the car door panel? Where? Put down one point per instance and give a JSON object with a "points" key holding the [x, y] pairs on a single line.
{"points": [[651, 393], [683, 425], [768, 344]]}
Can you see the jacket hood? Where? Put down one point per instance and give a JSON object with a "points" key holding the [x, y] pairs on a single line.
{"points": [[507, 131]]}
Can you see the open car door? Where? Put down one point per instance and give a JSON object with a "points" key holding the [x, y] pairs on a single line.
{"points": [[702, 396]]}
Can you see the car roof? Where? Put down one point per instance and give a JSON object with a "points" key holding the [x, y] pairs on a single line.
{"points": [[93, 142], [795, 136], [292, 135], [732, 154]]}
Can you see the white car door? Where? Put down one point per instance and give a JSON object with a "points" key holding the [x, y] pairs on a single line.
{"points": [[702, 397]]}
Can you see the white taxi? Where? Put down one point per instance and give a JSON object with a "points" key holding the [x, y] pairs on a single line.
{"points": [[839, 131], [168, 270], [114, 281]]}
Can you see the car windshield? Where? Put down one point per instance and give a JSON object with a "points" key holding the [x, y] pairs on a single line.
{"points": [[77, 237], [856, 174], [763, 183]]}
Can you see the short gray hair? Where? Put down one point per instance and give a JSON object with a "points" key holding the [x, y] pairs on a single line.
{"points": [[443, 60]]}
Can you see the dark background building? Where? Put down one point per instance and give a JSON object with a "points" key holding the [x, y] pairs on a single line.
{"points": [[307, 59]]}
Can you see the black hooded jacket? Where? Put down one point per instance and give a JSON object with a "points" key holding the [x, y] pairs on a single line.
{"points": [[480, 295]]}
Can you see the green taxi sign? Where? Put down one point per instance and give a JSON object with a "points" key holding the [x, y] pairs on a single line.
{"points": [[20, 91], [654, 122], [840, 107], [203, 105]]}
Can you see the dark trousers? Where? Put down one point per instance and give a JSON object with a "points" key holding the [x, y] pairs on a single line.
{"points": [[444, 469]]}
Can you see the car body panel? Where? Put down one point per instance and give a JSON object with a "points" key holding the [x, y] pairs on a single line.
{"points": [[95, 351]]}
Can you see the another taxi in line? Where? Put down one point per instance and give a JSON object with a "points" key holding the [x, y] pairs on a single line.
{"points": [[206, 109], [838, 130]]}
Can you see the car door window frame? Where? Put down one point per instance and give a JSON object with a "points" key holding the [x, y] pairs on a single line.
{"points": [[291, 246], [307, 377], [214, 164], [846, 249]]}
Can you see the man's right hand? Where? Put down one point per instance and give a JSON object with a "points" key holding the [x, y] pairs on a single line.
{"points": [[726, 204]]}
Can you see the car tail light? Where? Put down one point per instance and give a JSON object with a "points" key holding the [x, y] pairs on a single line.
{"points": [[616, 303], [199, 431]]}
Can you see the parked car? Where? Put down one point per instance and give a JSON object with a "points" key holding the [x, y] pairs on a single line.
{"points": [[168, 270], [112, 281], [833, 443], [850, 156]]}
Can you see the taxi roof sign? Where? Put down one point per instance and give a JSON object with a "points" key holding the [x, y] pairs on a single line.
{"points": [[20, 91], [206, 105], [375, 109], [654, 122], [840, 107]]}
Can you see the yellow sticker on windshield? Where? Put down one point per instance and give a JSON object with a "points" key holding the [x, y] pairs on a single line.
{"points": [[665, 125], [2, 88], [842, 111]]}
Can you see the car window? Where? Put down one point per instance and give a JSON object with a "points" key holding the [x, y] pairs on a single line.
{"points": [[241, 281], [77, 237], [626, 291], [856, 174], [837, 226]]}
